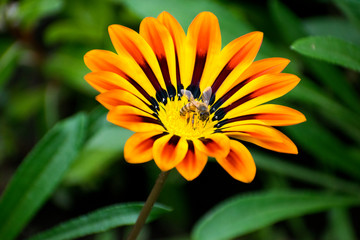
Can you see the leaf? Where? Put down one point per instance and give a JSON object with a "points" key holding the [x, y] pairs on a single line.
{"points": [[271, 163], [329, 49], [26, 103], [97, 155], [341, 227], [333, 79], [288, 23], [325, 146], [31, 11], [332, 26], [68, 64], [351, 8], [39, 174], [100, 221], [246, 213], [8, 61]]}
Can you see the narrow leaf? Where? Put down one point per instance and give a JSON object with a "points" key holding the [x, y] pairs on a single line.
{"points": [[247, 213], [31, 11], [98, 154], [332, 26], [326, 147], [39, 174], [100, 221], [330, 49], [8, 61], [291, 170], [341, 224], [351, 8], [287, 22]]}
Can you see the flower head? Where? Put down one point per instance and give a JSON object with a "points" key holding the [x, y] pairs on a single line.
{"points": [[186, 98]]}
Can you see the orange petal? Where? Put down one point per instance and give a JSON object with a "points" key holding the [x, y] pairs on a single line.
{"points": [[117, 97], [169, 151], [255, 70], [239, 162], [138, 148], [258, 91], [263, 136], [193, 163], [216, 145], [106, 81], [159, 38], [101, 60], [204, 45], [233, 60], [129, 43], [134, 119], [178, 37], [268, 114]]}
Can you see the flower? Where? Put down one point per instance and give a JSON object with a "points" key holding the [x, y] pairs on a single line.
{"points": [[148, 86]]}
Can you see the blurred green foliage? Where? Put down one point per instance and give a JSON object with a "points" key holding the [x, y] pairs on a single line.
{"points": [[78, 166]]}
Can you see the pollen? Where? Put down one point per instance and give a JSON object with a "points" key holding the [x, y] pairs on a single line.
{"points": [[188, 126]]}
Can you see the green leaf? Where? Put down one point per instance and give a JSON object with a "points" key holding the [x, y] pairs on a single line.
{"points": [[341, 227], [332, 26], [329, 49], [100, 151], [333, 79], [68, 66], [244, 214], [39, 174], [8, 61], [312, 176], [31, 11], [351, 8], [288, 23], [100, 221], [325, 146]]}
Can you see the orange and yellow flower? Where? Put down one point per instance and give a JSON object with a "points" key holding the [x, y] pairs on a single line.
{"points": [[141, 85]]}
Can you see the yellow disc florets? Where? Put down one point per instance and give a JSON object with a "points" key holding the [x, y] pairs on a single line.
{"points": [[189, 126]]}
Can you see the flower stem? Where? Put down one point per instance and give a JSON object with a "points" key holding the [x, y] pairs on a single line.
{"points": [[148, 205]]}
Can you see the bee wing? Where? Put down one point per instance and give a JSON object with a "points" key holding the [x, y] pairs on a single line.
{"points": [[188, 95], [207, 95]]}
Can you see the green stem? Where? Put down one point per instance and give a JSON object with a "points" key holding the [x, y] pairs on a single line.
{"points": [[148, 205]]}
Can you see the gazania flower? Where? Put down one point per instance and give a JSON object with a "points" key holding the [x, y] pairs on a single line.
{"points": [[187, 99]]}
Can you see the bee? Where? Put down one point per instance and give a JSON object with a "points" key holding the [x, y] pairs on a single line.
{"points": [[196, 107]]}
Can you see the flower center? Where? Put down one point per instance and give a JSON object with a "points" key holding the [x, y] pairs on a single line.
{"points": [[184, 120]]}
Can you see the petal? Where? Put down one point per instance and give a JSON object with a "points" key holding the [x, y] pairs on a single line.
{"points": [[193, 163], [233, 60], [138, 148], [216, 145], [258, 91], [204, 44], [263, 136], [134, 119], [101, 60], [255, 70], [129, 43], [106, 81], [117, 97], [169, 151], [239, 162], [178, 37], [159, 38], [267, 114]]}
